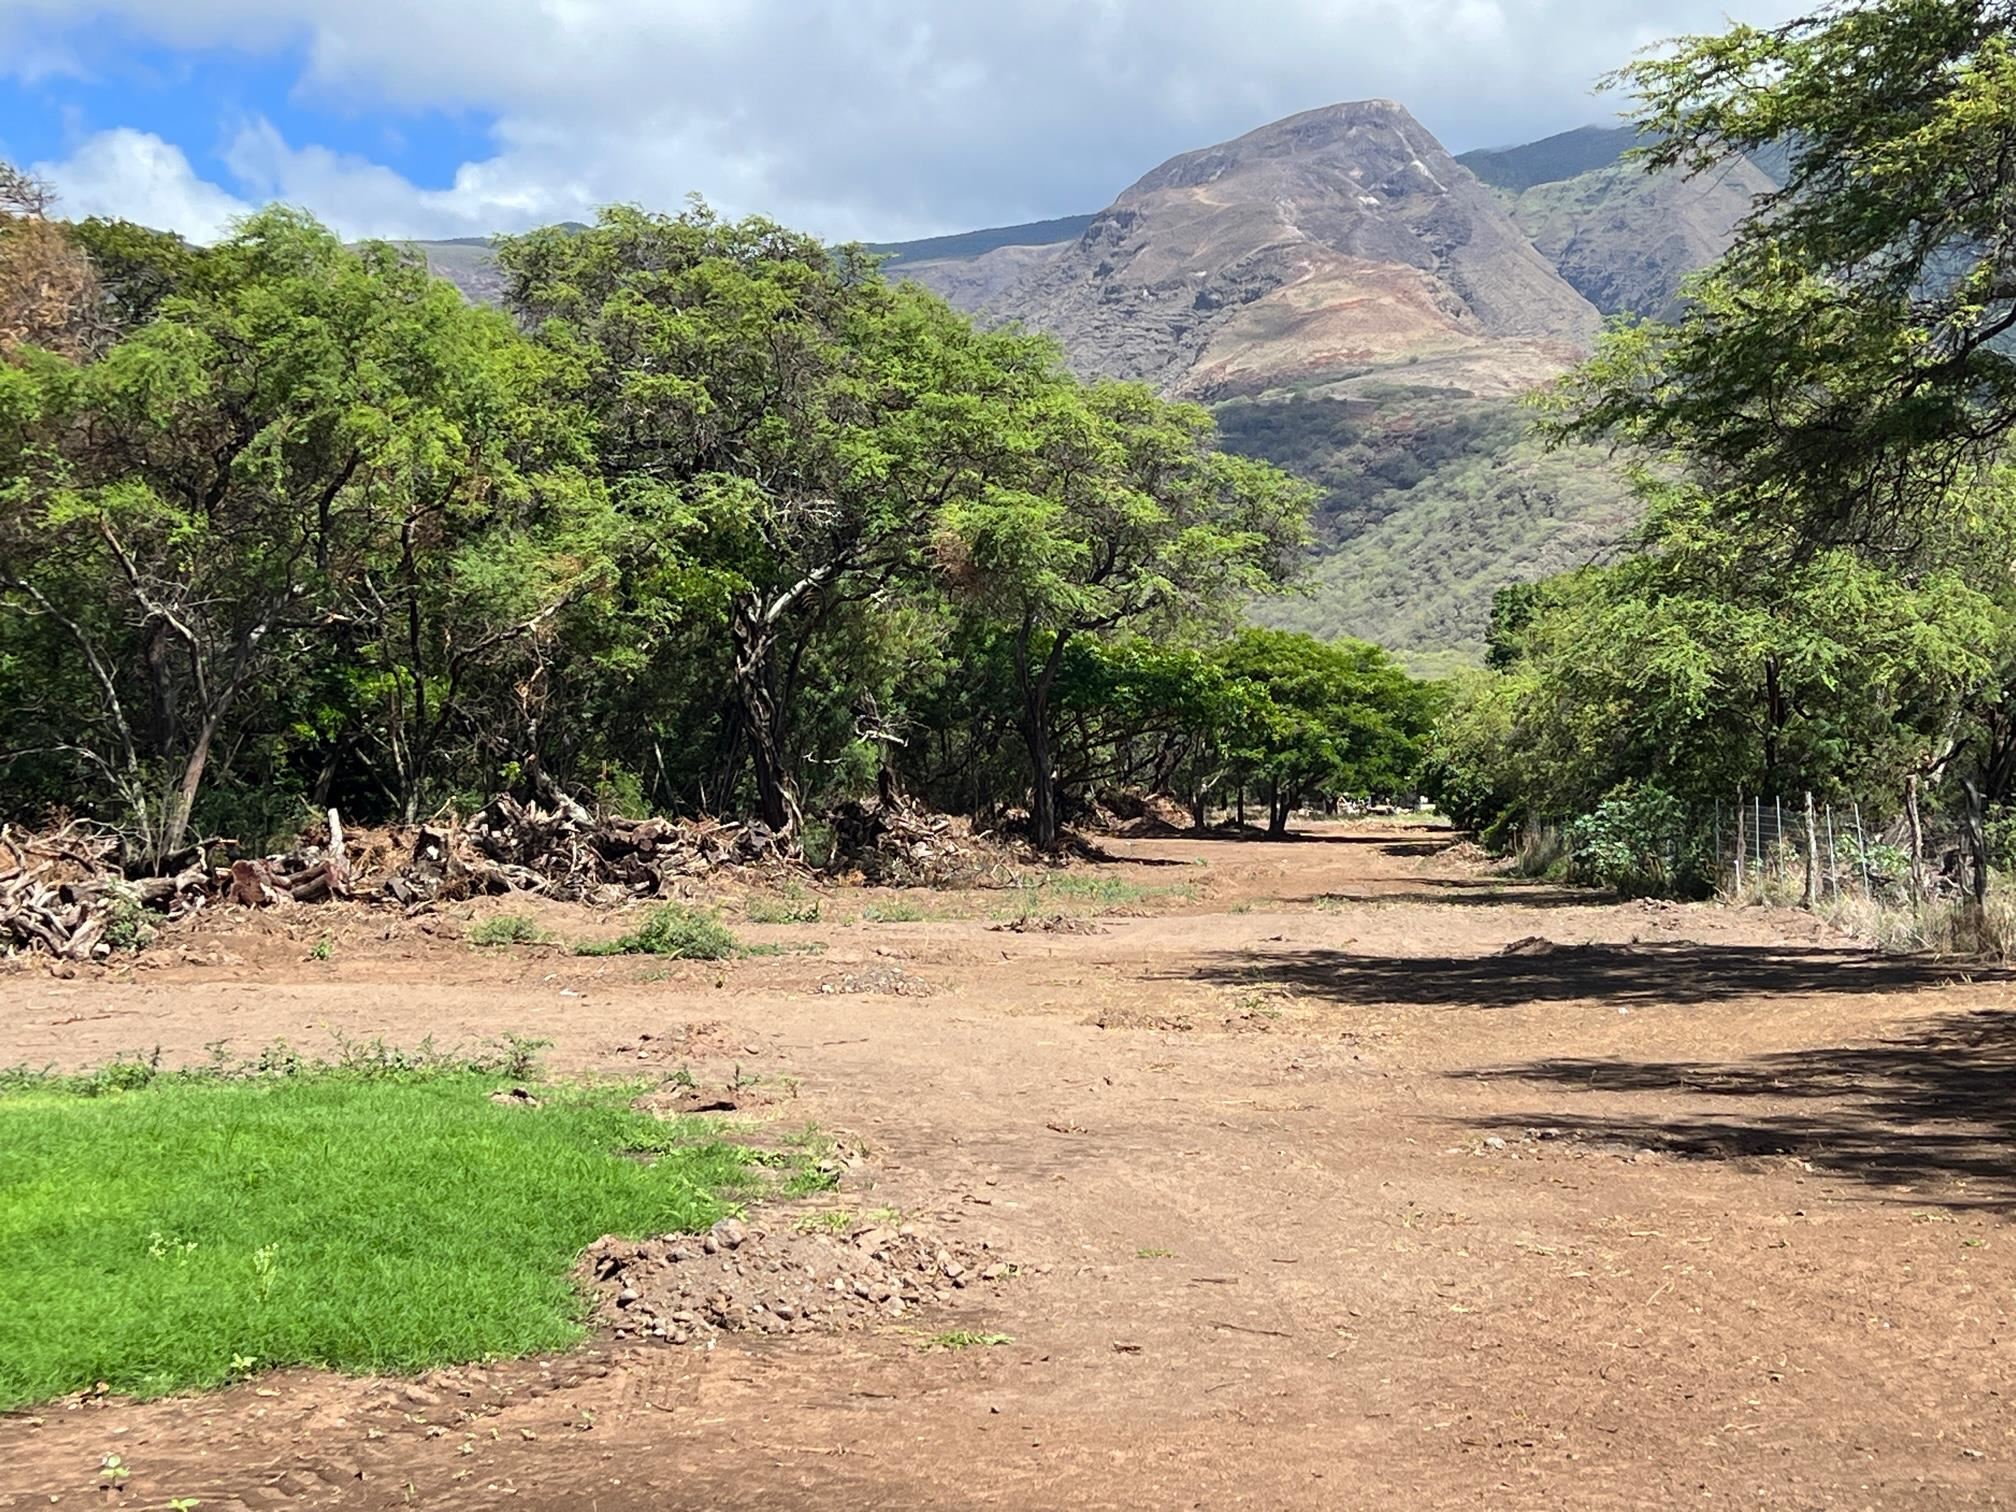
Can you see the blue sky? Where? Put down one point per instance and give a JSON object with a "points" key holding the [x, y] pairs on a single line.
{"points": [[198, 98], [872, 118]]}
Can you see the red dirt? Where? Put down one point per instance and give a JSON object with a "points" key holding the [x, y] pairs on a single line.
{"points": [[1343, 1206]]}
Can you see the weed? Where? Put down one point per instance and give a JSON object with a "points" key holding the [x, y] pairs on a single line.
{"points": [[897, 912], [963, 1338], [810, 1178], [1090, 895], [1945, 926], [507, 929], [1154, 1254], [830, 1221], [792, 906], [671, 930], [126, 925], [324, 948]]}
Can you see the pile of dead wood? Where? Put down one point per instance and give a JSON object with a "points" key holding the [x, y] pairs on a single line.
{"points": [[895, 844], [64, 893], [543, 841]]}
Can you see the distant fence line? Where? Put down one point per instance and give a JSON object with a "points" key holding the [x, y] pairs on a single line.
{"points": [[1834, 850]]}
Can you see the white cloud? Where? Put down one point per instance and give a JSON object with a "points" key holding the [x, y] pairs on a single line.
{"points": [[136, 176], [870, 117]]}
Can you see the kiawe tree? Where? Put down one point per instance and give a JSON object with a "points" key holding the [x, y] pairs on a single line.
{"points": [[1850, 360], [774, 412], [1113, 511], [1321, 719], [220, 489]]}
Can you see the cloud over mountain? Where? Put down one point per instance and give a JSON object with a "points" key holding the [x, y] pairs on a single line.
{"points": [[882, 118]]}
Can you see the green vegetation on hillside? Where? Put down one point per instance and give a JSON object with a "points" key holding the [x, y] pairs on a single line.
{"points": [[1429, 507], [1561, 156], [977, 243]]}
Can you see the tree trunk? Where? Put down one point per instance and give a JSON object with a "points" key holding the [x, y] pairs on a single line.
{"points": [[776, 806], [175, 823], [1279, 801], [1977, 843], [1036, 685], [1043, 781], [1774, 721]]}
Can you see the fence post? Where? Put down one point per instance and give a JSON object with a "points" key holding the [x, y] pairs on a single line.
{"points": [[1739, 844], [1833, 857], [1862, 851], [1917, 838], [1718, 841], [1812, 855], [1757, 830]]}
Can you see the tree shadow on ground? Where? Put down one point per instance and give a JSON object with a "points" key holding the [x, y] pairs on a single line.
{"points": [[1933, 1108], [1469, 893], [1439, 837], [1677, 973]]}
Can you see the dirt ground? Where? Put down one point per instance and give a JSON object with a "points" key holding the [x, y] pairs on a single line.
{"points": [[1320, 1197]]}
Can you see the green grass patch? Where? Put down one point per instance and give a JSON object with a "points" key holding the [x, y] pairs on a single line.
{"points": [[507, 929], [897, 912], [671, 930], [165, 1231], [962, 1338]]}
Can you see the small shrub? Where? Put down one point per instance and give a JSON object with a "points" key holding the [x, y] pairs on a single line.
{"points": [[815, 839], [507, 929], [966, 1338], [126, 926], [1638, 842], [671, 930], [1542, 851], [793, 906]]}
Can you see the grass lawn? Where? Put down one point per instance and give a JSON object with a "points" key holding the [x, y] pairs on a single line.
{"points": [[194, 1228]]}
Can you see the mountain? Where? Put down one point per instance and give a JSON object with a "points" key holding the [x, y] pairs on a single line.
{"points": [[465, 261], [1335, 244], [970, 244], [1627, 239], [1550, 159]]}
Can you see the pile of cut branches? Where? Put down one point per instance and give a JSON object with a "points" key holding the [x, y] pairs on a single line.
{"points": [[64, 893]]}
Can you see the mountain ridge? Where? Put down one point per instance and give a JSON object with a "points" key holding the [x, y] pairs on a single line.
{"points": [[1366, 309], [1332, 243]]}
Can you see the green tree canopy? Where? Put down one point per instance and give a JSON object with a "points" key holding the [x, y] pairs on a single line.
{"points": [[1848, 363]]}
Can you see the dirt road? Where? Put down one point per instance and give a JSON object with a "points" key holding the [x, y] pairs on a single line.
{"points": [[1321, 1198]]}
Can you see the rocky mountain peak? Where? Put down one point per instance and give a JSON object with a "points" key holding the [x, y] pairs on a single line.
{"points": [[1335, 242]]}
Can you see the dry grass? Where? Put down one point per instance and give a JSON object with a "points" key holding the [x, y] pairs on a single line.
{"points": [[1942, 927]]}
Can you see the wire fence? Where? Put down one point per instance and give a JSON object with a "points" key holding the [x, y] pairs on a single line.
{"points": [[1832, 850]]}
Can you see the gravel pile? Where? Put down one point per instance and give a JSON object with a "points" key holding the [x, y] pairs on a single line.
{"points": [[734, 1278]]}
